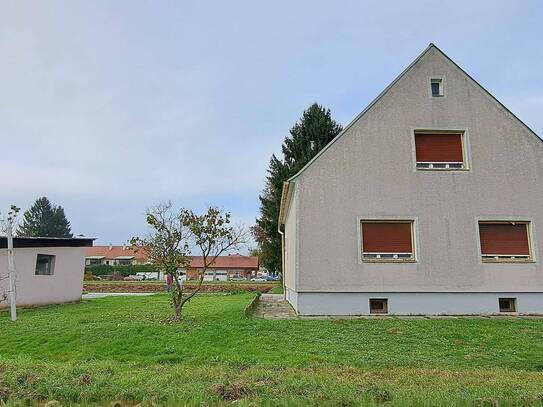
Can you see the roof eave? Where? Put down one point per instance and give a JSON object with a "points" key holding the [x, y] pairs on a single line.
{"points": [[286, 195]]}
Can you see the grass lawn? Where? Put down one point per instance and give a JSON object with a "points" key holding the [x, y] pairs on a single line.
{"points": [[123, 349], [278, 289]]}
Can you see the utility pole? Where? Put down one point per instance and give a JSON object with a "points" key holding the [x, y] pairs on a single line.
{"points": [[11, 271]]}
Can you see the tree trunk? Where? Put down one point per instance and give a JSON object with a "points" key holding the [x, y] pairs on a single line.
{"points": [[177, 313]]}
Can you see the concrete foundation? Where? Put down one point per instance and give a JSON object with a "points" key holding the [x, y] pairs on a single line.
{"points": [[319, 303]]}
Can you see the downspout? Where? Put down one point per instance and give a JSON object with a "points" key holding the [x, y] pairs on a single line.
{"points": [[283, 262]]}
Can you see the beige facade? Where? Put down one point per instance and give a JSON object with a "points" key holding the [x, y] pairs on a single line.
{"points": [[64, 284], [369, 172]]}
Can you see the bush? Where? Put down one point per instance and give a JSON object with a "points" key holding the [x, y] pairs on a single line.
{"points": [[123, 270], [88, 276]]}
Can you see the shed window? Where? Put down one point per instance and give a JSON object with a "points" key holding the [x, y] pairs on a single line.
{"points": [[505, 241], [45, 265], [439, 151], [387, 240]]}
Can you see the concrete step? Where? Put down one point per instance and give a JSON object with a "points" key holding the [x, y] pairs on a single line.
{"points": [[273, 306]]}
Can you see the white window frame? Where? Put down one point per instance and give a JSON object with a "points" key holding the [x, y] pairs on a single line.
{"points": [[503, 258], [442, 88], [391, 219], [466, 149]]}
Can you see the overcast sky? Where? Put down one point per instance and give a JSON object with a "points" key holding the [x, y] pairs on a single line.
{"points": [[108, 107]]}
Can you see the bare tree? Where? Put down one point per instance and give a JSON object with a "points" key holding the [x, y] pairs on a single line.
{"points": [[175, 236]]}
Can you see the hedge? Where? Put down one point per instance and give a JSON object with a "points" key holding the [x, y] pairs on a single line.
{"points": [[126, 270]]}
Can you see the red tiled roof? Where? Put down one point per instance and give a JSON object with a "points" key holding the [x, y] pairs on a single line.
{"points": [[111, 252], [222, 262]]}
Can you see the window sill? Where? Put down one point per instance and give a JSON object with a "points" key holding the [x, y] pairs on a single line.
{"points": [[444, 169], [509, 261], [396, 261]]}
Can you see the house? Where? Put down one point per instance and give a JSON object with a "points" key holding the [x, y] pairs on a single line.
{"points": [[224, 268], [49, 270], [429, 202], [114, 256]]}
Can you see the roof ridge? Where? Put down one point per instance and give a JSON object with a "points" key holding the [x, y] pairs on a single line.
{"points": [[430, 46]]}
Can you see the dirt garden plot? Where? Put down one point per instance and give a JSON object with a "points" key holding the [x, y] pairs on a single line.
{"points": [[152, 287]]}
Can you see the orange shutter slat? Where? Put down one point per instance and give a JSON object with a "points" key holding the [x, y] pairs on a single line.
{"points": [[386, 237], [504, 239], [439, 147]]}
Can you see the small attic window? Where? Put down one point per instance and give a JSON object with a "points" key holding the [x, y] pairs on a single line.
{"points": [[436, 87]]}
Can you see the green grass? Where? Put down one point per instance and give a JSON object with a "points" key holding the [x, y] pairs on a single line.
{"points": [[124, 349], [278, 289]]}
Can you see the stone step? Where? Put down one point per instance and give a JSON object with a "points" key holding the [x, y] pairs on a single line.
{"points": [[273, 306]]}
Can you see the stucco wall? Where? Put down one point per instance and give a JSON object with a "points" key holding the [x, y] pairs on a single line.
{"points": [[291, 243], [370, 172], [65, 285]]}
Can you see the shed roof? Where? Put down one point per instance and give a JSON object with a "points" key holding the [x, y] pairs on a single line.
{"points": [[28, 242]]}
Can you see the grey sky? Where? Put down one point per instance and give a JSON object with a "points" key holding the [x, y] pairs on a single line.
{"points": [[109, 107]]}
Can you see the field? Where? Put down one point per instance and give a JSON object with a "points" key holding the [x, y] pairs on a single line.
{"points": [[123, 349]]}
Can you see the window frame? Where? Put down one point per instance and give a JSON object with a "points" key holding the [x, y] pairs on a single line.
{"points": [[389, 219], [464, 139], [443, 89], [51, 261], [508, 260]]}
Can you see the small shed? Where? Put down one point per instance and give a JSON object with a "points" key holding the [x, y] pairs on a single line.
{"points": [[49, 270]]}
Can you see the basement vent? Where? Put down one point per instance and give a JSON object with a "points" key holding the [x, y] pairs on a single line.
{"points": [[508, 304], [378, 305]]}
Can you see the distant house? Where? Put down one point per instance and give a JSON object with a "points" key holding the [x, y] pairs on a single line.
{"points": [[49, 270], [429, 202], [114, 256], [225, 268]]}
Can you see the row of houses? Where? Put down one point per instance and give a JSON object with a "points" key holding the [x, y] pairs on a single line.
{"points": [[224, 268]]}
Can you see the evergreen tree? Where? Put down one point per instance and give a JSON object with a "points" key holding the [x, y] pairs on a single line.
{"points": [[308, 136], [46, 220]]}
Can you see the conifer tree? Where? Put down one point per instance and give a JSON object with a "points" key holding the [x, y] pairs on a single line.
{"points": [[308, 136], [46, 220]]}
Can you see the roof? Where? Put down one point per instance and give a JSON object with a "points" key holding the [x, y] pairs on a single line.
{"points": [[228, 262], [116, 252], [29, 242], [430, 47], [127, 252]]}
